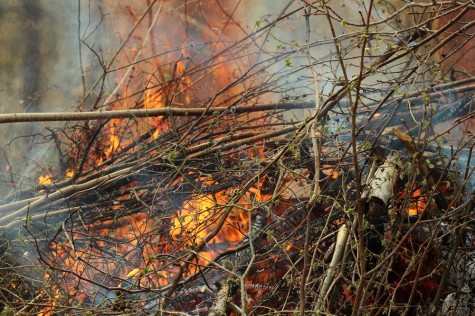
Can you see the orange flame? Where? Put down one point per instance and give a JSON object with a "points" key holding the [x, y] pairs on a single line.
{"points": [[191, 224], [114, 140], [154, 101], [44, 180], [50, 305], [418, 206], [418, 201], [69, 173], [167, 82]]}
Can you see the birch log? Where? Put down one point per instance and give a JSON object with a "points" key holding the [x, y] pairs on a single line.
{"points": [[380, 188], [340, 246], [219, 306]]}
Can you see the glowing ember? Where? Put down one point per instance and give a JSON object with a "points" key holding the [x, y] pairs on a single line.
{"points": [[419, 205], [417, 202]]}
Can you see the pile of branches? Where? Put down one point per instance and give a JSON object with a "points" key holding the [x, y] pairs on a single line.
{"points": [[347, 210], [73, 225]]}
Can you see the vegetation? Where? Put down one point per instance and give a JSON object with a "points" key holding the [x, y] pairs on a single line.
{"points": [[226, 158]]}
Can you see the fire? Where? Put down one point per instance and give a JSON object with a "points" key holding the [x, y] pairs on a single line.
{"points": [[127, 234], [44, 180], [418, 206], [51, 305], [114, 139], [197, 219], [417, 203], [151, 101], [193, 217], [330, 171], [138, 249], [139, 240], [69, 173]]}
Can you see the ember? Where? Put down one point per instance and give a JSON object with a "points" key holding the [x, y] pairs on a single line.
{"points": [[240, 167]]}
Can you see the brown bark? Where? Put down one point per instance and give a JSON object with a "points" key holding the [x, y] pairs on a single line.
{"points": [[138, 113], [423, 168]]}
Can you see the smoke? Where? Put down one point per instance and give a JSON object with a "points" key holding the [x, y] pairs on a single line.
{"points": [[42, 59]]}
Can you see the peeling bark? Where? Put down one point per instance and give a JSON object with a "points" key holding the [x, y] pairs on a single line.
{"points": [[219, 306], [380, 188]]}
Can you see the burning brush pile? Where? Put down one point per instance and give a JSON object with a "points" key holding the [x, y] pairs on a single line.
{"points": [[210, 181]]}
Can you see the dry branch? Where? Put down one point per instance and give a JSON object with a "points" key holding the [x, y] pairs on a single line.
{"points": [[423, 168], [26, 310], [168, 171], [340, 245], [139, 113], [219, 306]]}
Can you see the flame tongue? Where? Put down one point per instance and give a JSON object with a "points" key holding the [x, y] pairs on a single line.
{"points": [[154, 101], [114, 138]]}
